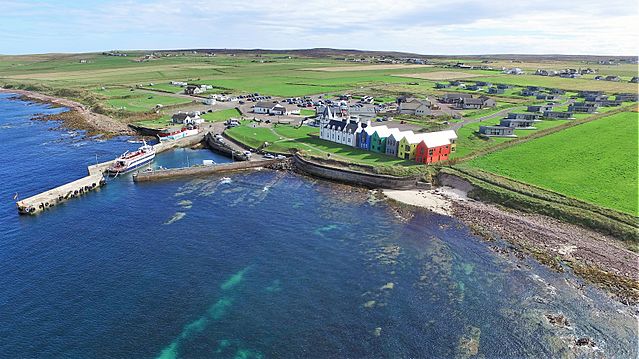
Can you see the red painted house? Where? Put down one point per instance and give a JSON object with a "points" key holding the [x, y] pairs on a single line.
{"points": [[433, 148]]}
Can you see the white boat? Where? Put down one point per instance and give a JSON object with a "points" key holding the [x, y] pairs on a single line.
{"points": [[129, 161]]}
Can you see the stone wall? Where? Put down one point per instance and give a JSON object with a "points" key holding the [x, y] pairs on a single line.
{"points": [[340, 174]]}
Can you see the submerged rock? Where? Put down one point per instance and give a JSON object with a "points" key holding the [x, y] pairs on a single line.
{"points": [[582, 342], [558, 320]]}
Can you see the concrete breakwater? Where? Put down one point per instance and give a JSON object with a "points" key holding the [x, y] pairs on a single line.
{"points": [[345, 175], [95, 179], [157, 175], [224, 148]]}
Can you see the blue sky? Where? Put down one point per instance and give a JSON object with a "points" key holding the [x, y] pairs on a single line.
{"points": [[428, 27]]}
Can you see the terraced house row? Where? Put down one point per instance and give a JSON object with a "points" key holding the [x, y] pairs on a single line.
{"points": [[430, 147]]}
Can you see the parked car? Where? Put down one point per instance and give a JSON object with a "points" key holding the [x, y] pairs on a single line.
{"points": [[269, 156]]}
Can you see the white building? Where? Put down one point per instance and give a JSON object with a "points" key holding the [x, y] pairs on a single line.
{"points": [[343, 131]]}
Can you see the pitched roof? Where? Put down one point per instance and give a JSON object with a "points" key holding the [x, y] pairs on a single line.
{"points": [[263, 104]]}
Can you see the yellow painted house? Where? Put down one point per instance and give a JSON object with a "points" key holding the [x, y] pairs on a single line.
{"points": [[408, 145]]}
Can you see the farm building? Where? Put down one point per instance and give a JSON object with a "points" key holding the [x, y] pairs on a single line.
{"points": [[522, 124], [497, 131]]}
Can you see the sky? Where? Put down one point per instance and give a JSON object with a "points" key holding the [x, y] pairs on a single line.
{"points": [[430, 27]]}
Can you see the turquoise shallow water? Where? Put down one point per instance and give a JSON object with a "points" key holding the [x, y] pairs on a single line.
{"points": [[268, 264]]}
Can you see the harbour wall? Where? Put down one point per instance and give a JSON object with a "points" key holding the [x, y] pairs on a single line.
{"points": [[344, 175], [167, 174]]}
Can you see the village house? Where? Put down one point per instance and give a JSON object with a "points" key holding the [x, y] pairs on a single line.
{"points": [[497, 131], [634, 79], [626, 97], [545, 72], [441, 85], [363, 110], [557, 91], [454, 98], [379, 137], [529, 92], [583, 107], [503, 86], [523, 116], [473, 87], [495, 90], [432, 148], [546, 97], [392, 142], [558, 115], [407, 146], [363, 137], [416, 107], [612, 78], [521, 124], [343, 131], [262, 107], [540, 108], [187, 118], [194, 89], [483, 83], [514, 71], [476, 103]]}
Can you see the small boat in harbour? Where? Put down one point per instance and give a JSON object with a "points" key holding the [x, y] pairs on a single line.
{"points": [[172, 134], [129, 161]]}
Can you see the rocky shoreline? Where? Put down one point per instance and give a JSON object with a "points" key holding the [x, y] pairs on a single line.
{"points": [[597, 258], [79, 117]]}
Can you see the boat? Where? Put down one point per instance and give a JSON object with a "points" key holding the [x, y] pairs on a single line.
{"points": [[172, 134], [129, 161]]}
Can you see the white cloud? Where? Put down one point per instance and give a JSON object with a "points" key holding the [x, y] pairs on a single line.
{"points": [[432, 27]]}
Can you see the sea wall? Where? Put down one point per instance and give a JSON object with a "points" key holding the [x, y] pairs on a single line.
{"points": [[223, 149], [158, 175], [345, 175]]}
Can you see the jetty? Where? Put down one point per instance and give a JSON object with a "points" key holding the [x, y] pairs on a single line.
{"points": [[94, 180], [203, 170]]}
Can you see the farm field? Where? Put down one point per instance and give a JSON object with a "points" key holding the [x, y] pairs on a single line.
{"points": [[441, 75], [595, 162], [367, 67], [138, 101], [558, 82]]}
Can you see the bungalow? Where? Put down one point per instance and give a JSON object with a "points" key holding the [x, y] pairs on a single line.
{"points": [[557, 91], [608, 103], [503, 86], [514, 71], [529, 92], [589, 93], [545, 72], [546, 97], [634, 79], [473, 87], [539, 108], [441, 85], [184, 118], [277, 110], [523, 116], [521, 124], [454, 98], [455, 83], [595, 97], [612, 78], [194, 89], [432, 148], [558, 115], [626, 97], [497, 131], [483, 83], [262, 107], [495, 90], [476, 103], [583, 107], [415, 107]]}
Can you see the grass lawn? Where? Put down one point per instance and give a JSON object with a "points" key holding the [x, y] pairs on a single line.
{"points": [[161, 122], [282, 138], [307, 113], [595, 162], [137, 101], [221, 115]]}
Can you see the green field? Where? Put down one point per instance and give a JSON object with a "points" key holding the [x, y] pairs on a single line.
{"points": [[221, 115], [561, 83], [595, 162], [137, 100], [283, 138]]}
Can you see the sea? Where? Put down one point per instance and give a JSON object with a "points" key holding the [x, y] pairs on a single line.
{"points": [[262, 264]]}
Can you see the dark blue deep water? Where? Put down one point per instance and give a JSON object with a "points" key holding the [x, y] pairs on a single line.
{"points": [[264, 265]]}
